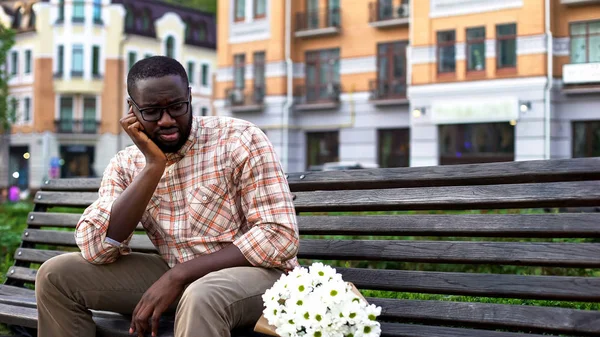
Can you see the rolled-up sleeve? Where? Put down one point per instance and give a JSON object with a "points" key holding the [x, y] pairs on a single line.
{"points": [[90, 233], [266, 201]]}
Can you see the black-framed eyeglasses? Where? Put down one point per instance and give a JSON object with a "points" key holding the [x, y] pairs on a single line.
{"points": [[155, 113]]}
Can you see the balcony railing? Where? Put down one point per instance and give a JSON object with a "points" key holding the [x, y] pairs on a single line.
{"points": [[245, 100], [388, 13], [66, 125], [318, 97], [388, 92], [318, 22]]}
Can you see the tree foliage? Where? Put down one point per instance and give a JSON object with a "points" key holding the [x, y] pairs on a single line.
{"points": [[7, 116], [205, 5]]}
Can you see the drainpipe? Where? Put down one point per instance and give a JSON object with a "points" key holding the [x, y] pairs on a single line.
{"points": [[290, 81], [548, 89]]}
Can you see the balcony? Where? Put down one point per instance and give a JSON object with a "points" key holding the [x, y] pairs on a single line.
{"points": [[579, 2], [322, 22], [388, 93], [250, 100], [389, 13], [77, 126], [318, 97]]}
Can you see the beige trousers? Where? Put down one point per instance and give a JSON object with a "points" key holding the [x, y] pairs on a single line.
{"points": [[67, 286]]}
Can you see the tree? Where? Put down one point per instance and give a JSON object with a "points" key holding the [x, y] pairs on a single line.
{"points": [[7, 116], [205, 5]]}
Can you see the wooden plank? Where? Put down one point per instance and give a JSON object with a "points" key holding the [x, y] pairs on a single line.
{"points": [[35, 255], [11, 291], [15, 315], [67, 199], [72, 184], [49, 219], [416, 330], [21, 274], [584, 255], [493, 316], [561, 288], [564, 194], [456, 175], [560, 225], [139, 242]]}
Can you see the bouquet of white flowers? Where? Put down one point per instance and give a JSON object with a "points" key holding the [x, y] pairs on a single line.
{"points": [[316, 302]]}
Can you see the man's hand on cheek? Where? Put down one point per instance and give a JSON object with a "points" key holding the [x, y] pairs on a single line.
{"points": [[134, 128]]}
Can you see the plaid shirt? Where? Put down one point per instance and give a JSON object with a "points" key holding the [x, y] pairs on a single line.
{"points": [[225, 185]]}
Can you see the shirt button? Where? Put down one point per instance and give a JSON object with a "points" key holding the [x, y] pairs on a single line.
{"points": [[204, 198]]}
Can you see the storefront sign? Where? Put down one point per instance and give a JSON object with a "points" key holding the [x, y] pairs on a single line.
{"points": [[475, 110], [581, 73]]}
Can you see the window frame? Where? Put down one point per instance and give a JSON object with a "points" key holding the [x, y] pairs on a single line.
{"points": [[259, 60], [586, 36], [28, 62], [170, 39], [469, 43], [239, 63], [190, 71], [504, 38], [314, 57], [205, 75], [77, 73], [325, 136], [396, 133], [74, 18], [60, 60], [14, 63], [390, 54], [97, 4], [27, 109], [129, 56], [60, 17], [96, 61], [589, 144], [439, 46]]}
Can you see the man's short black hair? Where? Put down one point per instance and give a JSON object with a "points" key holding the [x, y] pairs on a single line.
{"points": [[155, 67]]}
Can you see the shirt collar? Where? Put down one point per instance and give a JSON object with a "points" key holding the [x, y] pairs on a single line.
{"points": [[174, 157]]}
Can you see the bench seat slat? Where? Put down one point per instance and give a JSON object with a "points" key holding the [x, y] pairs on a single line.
{"points": [[139, 242], [22, 274], [562, 194], [455, 175], [565, 288], [585, 255], [72, 184], [35, 255], [67, 199], [559, 225], [417, 330], [497, 316], [49, 219]]}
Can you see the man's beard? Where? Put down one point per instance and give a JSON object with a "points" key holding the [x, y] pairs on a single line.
{"points": [[183, 137]]}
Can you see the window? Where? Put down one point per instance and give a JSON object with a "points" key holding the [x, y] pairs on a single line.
{"points": [[60, 60], [393, 147], [585, 42], [204, 111], [239, 69], [146, 21], [97, 11], [147, 55], [506, 49], [260, 9], [205, 72], [446, 51], [586, 139], [131, 58], [391, 70], [78, 10], [190, 72], [259, 77], [129, 19], [61, 11], [200, 32], [28, 62], [66, 114], [333, 13], [240, 10], [476, 49], [77, 66], [14, 62], [322, 74], [17, 20], [312, 14], [27, 109], [95, 61], [14, 107], [89, 115], [170, 47], [476, 143], [321, 148]]}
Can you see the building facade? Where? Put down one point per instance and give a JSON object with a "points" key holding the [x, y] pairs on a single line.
{"points": [[413, 83], [68, 72]]}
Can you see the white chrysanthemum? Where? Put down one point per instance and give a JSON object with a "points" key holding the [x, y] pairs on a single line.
{"points": [[321, 273], [371, 329]]}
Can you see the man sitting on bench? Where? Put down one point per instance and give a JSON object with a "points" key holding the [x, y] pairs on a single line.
{"points": [[211, 196]]}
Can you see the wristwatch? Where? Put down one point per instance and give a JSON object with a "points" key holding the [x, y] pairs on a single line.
{"points": [[123, 248]]}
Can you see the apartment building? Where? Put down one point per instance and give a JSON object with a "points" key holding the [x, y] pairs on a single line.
{"points": [[324, 79], [413, 83], [68, 72]]}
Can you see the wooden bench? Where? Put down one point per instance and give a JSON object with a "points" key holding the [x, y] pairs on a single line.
{"points": [[414, 256]]}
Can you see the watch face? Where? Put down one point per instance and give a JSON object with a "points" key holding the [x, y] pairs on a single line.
{"points": [[124, 250]]}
